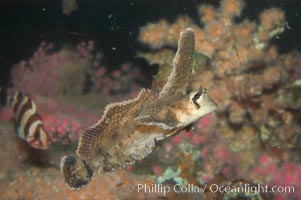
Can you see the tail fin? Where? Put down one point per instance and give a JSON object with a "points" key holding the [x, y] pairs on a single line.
{"points": [[75, 171]]}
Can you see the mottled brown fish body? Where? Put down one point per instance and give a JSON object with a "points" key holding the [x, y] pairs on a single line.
{"points": [[104, 135], [128, 130], [28, 122]]}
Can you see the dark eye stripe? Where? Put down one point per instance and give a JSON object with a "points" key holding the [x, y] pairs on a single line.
{"points": [[196, 97]]}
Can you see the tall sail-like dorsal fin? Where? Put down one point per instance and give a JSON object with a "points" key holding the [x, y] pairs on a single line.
{"points": [[179, 78]]}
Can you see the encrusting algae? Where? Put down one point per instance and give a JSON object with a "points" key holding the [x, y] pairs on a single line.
{"points": [[128, 130]]}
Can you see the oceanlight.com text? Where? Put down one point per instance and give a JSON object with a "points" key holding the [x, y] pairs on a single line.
{"points": [[214, 188], [251, 189]]}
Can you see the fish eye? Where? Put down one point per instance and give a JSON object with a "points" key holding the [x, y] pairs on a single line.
{"points": [[196, 97]]}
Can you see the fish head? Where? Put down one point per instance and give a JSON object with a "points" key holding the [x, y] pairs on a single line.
{"points": [[196, 104], [201, 103]]}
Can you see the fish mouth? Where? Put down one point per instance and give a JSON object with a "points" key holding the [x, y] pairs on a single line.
{"points": [[209, 103]]}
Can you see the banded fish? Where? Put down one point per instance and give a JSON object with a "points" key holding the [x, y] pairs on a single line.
{"points": [[29, 125]]}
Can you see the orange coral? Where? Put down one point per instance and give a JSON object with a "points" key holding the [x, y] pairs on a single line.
{"points": [[206, 47], [231, 8], [162, 33], [207, 13], [215, 30], [154, 34], [271, 54], [271, 19], [199, 34], [271, 76], [243, 32]]}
